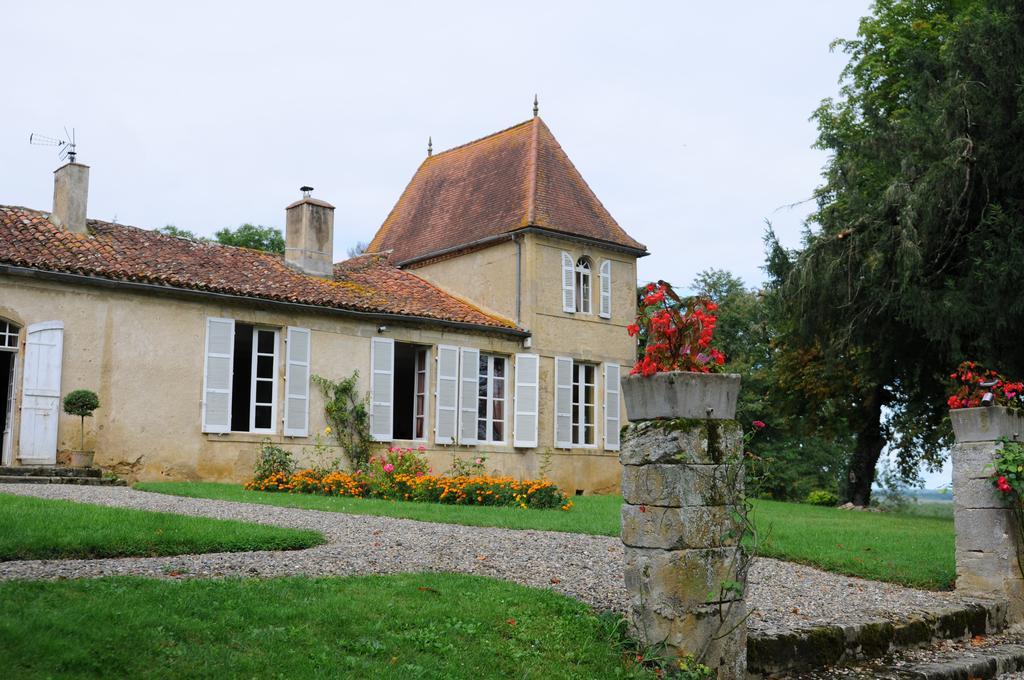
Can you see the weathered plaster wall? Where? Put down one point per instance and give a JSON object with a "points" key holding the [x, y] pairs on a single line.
{"points": [[486, 277], [143, 354]]}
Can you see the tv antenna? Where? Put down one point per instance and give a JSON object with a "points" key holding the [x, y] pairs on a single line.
{"points": [[65, 146]]}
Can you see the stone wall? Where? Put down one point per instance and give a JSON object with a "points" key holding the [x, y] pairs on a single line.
{"points": [[986, 537], [681, 483]]}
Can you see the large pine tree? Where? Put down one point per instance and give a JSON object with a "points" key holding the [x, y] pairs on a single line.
{"points": [[913, 258]]}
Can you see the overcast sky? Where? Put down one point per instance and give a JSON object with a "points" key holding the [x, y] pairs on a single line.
{"points": [[688, 119]]}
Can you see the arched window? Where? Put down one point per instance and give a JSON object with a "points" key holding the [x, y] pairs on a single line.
{"points": [[583, 267]]}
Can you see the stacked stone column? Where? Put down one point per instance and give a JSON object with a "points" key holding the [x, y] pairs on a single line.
{"points": [[986, 536], [681, 482]]}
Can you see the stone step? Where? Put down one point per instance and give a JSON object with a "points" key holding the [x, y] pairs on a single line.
{"points": [[49, 471], [989, 662], [82, 481], [808, 649]]}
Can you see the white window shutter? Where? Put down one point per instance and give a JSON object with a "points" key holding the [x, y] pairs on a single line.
{"points": [[568, 283], [469, 393], [527, 398], [605, 276], [612, 404], [447, 396], [40, 402], [217, 374], [563, 402], [296, 382], [382, 388]]}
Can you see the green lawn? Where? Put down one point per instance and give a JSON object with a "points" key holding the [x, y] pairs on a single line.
{"points": [[405, 626], [36, 528], [905, 548]]}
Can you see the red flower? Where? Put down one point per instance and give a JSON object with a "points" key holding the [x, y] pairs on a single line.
{"points": [[1003, 485], [632, 329], [759, 424]]}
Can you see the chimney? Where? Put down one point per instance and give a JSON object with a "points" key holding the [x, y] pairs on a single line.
{"points": [[309, 235], [70, 195]]}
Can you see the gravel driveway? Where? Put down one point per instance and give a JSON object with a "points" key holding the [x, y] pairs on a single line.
{"points": [[589, 568]]}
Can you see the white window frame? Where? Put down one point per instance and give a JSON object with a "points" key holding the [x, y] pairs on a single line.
{"points": [[9, 334], [444, 412], [579, 422], [274, 380], [583, 283], [423, 351], [490, 400]]}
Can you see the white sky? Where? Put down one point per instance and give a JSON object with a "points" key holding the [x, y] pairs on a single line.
{"points": [[688, 119]]}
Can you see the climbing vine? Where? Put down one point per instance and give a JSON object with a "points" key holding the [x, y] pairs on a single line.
{"points": [[348, 414]]}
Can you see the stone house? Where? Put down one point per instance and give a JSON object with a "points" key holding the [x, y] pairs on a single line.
{"points": [[487, 318]]}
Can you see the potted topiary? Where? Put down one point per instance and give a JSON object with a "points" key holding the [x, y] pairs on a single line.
{"points": [[677, 375], [81, 403]]}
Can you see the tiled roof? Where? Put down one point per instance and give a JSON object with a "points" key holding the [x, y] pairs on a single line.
{"points": [[123, 253], [513, 179]]}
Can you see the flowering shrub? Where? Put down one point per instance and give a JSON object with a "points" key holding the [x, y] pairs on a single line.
{"points": [[973, 382], [677, 333], [272, 460], [403, 475]]}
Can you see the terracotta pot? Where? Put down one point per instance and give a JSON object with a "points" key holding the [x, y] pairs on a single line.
{"points": [[987, 424], [82, 458], [680, 394]]}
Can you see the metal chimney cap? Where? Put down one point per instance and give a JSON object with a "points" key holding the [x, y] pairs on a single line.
{"points": [[306, 191]]}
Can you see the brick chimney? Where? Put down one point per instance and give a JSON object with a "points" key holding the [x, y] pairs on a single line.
{"points": [[309, 235], [70, 195]]}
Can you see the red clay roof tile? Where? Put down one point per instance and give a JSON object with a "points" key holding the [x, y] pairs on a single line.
{"points": [[513, 179], [123, 253]]}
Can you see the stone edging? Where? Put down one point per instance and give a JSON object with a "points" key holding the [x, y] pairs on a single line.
{"points": [[812, 648]]}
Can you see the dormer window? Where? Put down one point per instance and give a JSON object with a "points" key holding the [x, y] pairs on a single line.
{"points": [[583, 268]]}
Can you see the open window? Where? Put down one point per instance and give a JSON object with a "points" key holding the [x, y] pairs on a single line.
{"points": [[399, 393], [242, 378], [254, 381], [8, 349], [412, 373]]}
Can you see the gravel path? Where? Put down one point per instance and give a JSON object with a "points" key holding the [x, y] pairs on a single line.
{"points": [[783, 595]]}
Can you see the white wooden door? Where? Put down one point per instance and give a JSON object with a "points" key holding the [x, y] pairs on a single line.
{"points": [[40, 396]]}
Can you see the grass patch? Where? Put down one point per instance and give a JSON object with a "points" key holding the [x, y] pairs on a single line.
{"points": [[404, 626], [598, 515], [36, 529], [900, 548], [907, 549]]}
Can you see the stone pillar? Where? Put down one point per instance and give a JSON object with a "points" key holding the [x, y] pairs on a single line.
{"points": [[681, 482], [986, 538]]}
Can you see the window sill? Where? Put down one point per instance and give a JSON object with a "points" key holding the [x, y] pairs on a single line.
{"points": [[252, 437]]}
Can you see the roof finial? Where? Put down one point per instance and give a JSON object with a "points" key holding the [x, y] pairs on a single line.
{"points": [[536, 108], [430, 146]]}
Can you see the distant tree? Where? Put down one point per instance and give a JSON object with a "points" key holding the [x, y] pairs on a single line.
{"points": [[358, 249], [171, 230], [253, 236], [806, 442]]}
